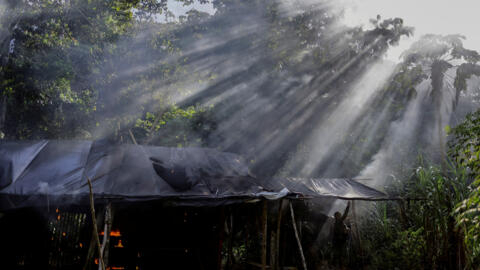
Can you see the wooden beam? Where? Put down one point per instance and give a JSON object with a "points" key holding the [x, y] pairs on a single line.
{"points": [[95, 229], [264, 235], [276, 262], [106, 234], [298, 238], [221, 236], [259, 265], [92, 246], [230, 257], [356, 232], [132, 137]]}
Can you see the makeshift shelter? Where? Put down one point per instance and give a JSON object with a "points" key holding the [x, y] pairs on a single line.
{"points": [[171, 204]]}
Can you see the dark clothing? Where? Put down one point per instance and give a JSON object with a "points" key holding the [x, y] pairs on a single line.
{"points": [[339, 255], [339, 239], [340, 233]]}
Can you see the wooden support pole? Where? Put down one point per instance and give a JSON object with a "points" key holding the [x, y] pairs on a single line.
{"points": [[92, 246], [264, 235], [95, 229], [221, 236], [403, 214], [230, 257], [106, 234], [132, 137], [298, 238], [276, 262], [357, 232]]}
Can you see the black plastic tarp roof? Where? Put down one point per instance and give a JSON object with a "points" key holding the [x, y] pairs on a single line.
{"points": [[341, 188], [34, 171]]}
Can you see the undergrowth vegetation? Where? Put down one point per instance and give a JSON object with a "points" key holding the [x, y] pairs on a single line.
{"points": [[436, 224]]}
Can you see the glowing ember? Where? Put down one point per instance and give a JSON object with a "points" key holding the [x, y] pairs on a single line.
{"points": [[115, 233], [119, 245]]}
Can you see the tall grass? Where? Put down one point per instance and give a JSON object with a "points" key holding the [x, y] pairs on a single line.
{"points": [[421, 231]]}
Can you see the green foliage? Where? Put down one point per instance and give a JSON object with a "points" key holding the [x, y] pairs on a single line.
{"points": [[54, 47], [465, 149], [465, 144], [89, 69], [176, 127], [419, 233], [390, 246], [468, 219], [444, 224], [405, 80]]}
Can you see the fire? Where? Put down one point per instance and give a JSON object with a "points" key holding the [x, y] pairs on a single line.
{"points": [[58, 217], [96, 260], [115, 233], [119, 245]]}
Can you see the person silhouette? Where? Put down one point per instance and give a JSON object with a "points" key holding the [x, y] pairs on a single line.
{"points": [[340, 237]]}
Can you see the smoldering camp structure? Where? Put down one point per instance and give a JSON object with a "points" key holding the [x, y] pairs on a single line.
{"points": [[62, 203]]}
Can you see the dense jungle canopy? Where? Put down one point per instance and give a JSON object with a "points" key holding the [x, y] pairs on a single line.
{"points": [[286, 84]]}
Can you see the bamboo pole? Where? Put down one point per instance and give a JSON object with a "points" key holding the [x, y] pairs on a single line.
{"points": [[296, 236], [264, 235], [95, 229]]}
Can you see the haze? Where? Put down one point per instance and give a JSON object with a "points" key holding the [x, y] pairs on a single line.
{"points": [[428, 16]]}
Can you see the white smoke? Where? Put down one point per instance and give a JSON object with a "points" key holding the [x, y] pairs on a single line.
{"points": [[334, 128], [398, 151]]}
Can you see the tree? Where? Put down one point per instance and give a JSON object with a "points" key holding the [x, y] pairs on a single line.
{"points": [[436, 54], [55, 46]]}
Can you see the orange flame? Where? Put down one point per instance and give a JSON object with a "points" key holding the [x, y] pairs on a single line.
{"points": [[119, 245], [115, 233]]}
